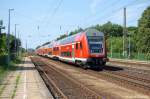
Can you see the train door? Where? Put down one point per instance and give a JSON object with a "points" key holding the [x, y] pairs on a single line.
{"points": [[73, 53], [78, 50]]}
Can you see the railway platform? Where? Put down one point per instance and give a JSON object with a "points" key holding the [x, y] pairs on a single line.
{"points": [[24, 83]]}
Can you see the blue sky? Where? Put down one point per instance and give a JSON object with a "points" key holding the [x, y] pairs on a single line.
{"points": [[49, 15]]}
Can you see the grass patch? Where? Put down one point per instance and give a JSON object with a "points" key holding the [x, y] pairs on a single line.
{"points": [[4, 70], [2, 89], [17, 60], [16, 86], [3, 73]]}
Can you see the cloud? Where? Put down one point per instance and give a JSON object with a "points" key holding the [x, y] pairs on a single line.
{"points": [[94, 4]]}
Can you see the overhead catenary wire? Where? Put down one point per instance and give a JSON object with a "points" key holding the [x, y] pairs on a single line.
{"points": [[108, 15], [104, 17], [120, 8], [48, 14], [105, 8], [114, 11], [31, 19], [34, 20], [53, 13], [90, 16]]}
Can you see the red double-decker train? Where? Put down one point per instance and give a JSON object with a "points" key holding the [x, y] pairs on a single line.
{"points": [[87, 49]]}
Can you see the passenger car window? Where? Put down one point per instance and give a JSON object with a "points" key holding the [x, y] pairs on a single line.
{"points": [[76, 45], [81, 45]]}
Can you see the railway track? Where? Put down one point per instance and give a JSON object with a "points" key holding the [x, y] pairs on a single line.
{"points": [[138, 64], [134, 76], [61, 85], [126, 78], [145, 73], [133, 80], [123, 79]]}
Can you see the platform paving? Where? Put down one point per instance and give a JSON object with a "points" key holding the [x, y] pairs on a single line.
{"points": [[30, 86]]}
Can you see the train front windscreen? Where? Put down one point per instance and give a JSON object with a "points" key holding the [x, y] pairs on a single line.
{"points": [[95, 44]]}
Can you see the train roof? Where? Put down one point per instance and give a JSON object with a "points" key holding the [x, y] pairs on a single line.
{"points": [[93, 32], [69, 39], [89, 32]]}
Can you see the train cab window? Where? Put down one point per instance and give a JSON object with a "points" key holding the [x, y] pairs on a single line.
{"points": [[76, 45], [80, 45]]}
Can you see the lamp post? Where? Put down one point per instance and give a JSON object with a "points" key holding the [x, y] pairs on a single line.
{"points": [[8, 37], [1, 26], [19, 42], [26, 46], [129, 55], [111, 46], [124, 34], [16, 39]]}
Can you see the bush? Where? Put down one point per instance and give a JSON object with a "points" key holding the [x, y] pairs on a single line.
{"points": [[3, 59]]}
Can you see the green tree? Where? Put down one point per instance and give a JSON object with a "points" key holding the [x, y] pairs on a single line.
{"points": [[132, 32], [3, 44], [71, 33], [75, 31], [61, 37], [115, 43], [143, 35], [110, 29]]}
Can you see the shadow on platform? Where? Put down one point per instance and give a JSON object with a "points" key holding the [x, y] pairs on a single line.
{"points": [[27, 62], [22, 68], [26, 65]]}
